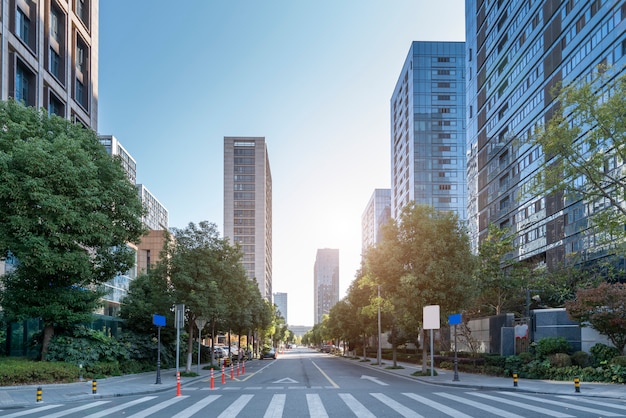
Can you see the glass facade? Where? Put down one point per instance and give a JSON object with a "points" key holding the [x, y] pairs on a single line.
{"points": [[428, 129], [376, 214], [326, 282], [517, 51]]}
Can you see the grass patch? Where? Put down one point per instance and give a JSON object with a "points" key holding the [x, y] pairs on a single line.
{"points": [[188, 374], [424, 373], [394, 367]]}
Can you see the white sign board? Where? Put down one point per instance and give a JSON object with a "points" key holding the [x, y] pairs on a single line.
{"points": [[431, 317]]}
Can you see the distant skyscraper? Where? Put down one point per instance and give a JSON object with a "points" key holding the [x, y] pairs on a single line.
{"points": [[280, 300], [326, 282], [376, 214], [115, 148], [49, 56], [517, 51], [156, 217], [428, 129], [248, 206]]}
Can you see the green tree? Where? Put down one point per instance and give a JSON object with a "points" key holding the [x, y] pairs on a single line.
{"points": [[499, 279], [68, 211], [429, 262], [602, 308], [584, 144]]}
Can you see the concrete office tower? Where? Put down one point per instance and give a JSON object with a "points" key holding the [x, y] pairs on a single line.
{"points": [[156, 217], [325, 282], [248, 206], [280, 300], [49, 56], [376, 214], [428, 129], [115, 148], [516, 52]]}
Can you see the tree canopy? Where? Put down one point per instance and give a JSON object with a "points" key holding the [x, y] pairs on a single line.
{"points": [[68, 211]]}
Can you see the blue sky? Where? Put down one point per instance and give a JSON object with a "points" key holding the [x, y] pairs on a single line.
{"points": [[314, 78]]}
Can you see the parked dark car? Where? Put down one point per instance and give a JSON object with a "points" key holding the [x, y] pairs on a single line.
{"points": [[326, 349], [268, 353]]}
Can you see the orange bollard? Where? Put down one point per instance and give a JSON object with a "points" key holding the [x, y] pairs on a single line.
{"points": [[223, 375], [212, 380], [238, 368], [232, 372], [178, 384], [243, 368]]}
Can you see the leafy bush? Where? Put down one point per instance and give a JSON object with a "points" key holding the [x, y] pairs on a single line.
{"points": [[495, 360], [551, 345], [87, 347], [581, 359], [18, 371], [619, 361], [559, 360], [603, 353]]}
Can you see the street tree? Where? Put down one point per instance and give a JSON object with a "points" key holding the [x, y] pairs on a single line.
{"points": [[499, 279], [584, 146], [427, 262], [68, 211], [603, 309]]}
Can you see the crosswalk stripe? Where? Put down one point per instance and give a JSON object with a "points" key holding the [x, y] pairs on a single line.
{"points": [[236, 407], [356, 406], [32, 411], [77, 409], [521, 405], [590, 401], [275, 410], [316, 407], [196, 407], [565, 405], [157, 407], [496, 411], [396, 406], [120, 407], [436, 405]]}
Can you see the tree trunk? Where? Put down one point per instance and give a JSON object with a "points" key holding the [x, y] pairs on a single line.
{"points": [[190, 346], [393, 346], [364, 347], [48, 332]]}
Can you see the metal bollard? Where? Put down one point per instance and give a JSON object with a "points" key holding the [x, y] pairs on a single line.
{"points": [[39, 391], [514, 379], [577, 384], [94, 387]]}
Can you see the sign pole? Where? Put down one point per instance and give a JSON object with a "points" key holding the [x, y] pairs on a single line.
{"points": [[159, 321], [456, 359]]}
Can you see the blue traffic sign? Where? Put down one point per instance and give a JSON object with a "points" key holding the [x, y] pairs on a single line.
{"points": [[454, 319], [158, 320]]}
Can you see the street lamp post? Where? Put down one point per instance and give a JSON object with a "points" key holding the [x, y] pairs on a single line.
{"points": [[379, 330]]}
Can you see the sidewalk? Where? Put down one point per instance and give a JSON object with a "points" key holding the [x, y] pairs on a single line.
{"points": [[477, 381], [144, 383]]}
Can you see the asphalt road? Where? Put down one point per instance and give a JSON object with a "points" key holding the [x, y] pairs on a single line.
{"points": [[304, 383]]}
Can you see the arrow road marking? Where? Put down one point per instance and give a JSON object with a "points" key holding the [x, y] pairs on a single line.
{"points": [[285, 380]]}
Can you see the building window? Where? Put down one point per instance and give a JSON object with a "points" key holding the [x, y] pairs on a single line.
{"points": [[22, 23], [55, 106], [55, 64], [54, 25], [24, 85], [82, 11]]}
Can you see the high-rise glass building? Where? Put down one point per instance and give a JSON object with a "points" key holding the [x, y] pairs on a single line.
{"points": [[280, 300], [49, 56], [376, 214], [248, 206], [428, 129], [325, 282], [517, 51]]}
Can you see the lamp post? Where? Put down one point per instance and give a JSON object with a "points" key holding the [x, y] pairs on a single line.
{"points": [[379, 330]]}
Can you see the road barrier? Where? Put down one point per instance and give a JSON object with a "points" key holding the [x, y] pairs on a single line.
{"points": [[212, 380], [39, 391], [94, 387], [178, 384], [577, 384], [515, 379], [223, 375]]}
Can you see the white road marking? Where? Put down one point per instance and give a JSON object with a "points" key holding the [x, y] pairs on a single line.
{"points": [[275, 410], [335, 385], [109, 411], [356, 406], [522, 405], [158, 407], [436, 405], [396, 406], [77, 409], [32, 411], [186, 413], [316, 408], [493, 410], [236, 407], [373, 379], [566, 405]]}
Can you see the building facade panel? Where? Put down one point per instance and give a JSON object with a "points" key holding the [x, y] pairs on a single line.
{"points": [[248, 206], [428, 161], [524, 49], [325, 282]]}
